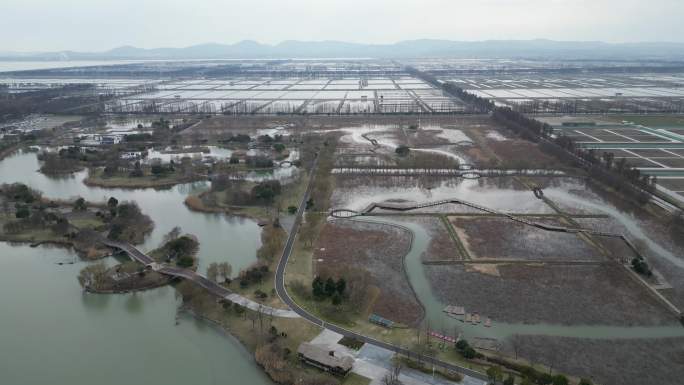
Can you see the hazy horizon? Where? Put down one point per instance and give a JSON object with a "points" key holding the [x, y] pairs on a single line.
{"points": [[274, 44], [46, 26]]}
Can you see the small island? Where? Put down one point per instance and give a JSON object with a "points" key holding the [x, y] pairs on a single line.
{"points": [[28, 217], [177, 250]]}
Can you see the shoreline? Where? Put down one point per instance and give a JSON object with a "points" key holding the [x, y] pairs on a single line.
{"points": [[80, 253], [194, 204], [226, 332], [127, 291], [138, 185]]}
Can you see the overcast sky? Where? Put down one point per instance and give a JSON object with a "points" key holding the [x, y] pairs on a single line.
{"points": [[97, 25]]}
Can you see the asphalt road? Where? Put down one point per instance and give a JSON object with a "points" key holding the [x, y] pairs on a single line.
{"points": [[285, 297]]}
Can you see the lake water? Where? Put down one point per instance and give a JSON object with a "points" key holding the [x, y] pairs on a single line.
{"points": [[165, 207], [49, 326]]}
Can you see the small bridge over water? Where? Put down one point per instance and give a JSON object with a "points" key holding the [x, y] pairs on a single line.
{"points": [[198, 279]]}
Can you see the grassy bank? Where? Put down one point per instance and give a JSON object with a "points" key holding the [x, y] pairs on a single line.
{"points": [[273, 341], [97, 178]]}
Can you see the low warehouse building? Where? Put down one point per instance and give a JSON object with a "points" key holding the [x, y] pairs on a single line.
{"points": [[326, 360]]}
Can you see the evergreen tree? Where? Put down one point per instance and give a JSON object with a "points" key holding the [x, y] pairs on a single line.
{"points": [[341, 286], [330, 287], [318, 287]]}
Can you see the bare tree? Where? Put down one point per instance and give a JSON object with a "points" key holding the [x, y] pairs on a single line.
{"points": [[6, 207], [516, 343], [427, 333], [392, 377], [212, 271], [260, 315], [252, 316], [92, 276], [551, 357], [172, 235], [225, 270]]}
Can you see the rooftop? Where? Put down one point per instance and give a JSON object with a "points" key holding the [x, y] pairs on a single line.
{"points": [[322, 356]]}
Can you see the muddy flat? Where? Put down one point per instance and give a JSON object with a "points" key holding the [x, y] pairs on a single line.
{"points": [[609, 362], [503, 238], [378, 249], [557, 294]]}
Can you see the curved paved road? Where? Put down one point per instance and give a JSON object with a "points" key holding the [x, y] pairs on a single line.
{"points": [[285, 297]]}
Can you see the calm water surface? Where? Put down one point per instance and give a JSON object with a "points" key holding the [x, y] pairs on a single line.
{"points": [[222, 238], [53, 333]]}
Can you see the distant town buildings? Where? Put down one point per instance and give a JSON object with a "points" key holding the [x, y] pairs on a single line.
{"points": [[99, 140]]}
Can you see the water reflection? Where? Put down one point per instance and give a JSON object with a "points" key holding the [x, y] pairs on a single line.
{"points": [[48, 323], [134, 303], [165, 207], [46, 330], [95, 303]]}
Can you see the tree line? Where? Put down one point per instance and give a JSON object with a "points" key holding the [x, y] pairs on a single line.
{"points": [[476, 103], [51, 100], [618, 174]]}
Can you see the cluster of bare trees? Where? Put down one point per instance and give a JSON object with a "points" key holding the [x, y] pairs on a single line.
{"points": [[93, 276], [475, 103], [37, 218], [51, 100], [392, 376], [54, 163], [593, 106], [219, 272], [129, 224], [273, 240]]}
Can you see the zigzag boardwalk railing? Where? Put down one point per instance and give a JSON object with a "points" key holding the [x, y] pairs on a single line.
{"points": [[346, 213]]}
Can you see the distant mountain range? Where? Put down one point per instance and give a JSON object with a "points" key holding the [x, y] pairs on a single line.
{"points": [[406, 49]]}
